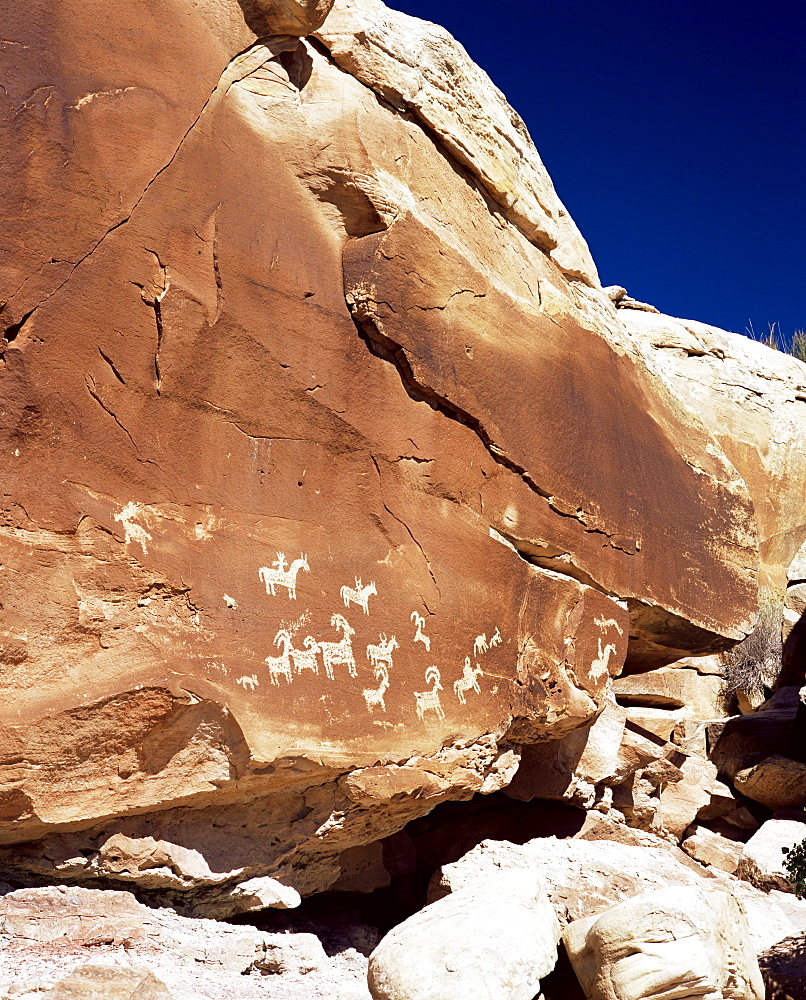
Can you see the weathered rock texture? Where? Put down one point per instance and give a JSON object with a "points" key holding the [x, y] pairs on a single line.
{"points": [[491, 941], [674, 942], [285, 560], [70, 938], [585, 878]]}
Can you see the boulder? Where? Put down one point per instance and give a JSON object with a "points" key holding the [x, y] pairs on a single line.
{"points": [[776, 782], [783, 968], [682, 800], [47, 933], [586, 877], [741, 742], [762, 860], [112, 982], [673, 942], [491, 941], [287, 17], [673, 687], [710, 848]]}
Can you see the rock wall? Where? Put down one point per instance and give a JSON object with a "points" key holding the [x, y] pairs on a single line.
{"points": [[333, 476]]}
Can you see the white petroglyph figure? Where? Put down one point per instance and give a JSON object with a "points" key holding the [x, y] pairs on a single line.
{"points": [[230, 602], [420, 636], [382, 653], [280, 664], [336, 654], [428, 701], [468, 681], [248, 683], [306, 659], [480, 644], [374, 696], [599, 667], [358, 595], [609, 623], [496, 639], [134, 532], [278, 576]]}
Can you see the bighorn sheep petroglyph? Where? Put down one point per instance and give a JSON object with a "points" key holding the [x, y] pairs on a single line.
{"points": [[428, 701], [280, 665], [420, 635], [306, 659], [335, 654]]}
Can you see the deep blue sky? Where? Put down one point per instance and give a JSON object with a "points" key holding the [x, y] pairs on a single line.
{"points": [[675, 133]]}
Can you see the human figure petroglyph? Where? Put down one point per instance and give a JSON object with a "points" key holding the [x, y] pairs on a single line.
{"points": [[468, 681], [374, 697], [480, 644], [359, 595], [278, 576], [306, 659], [428, 701], [382, 652], [280, 665], [335, 654], [420, 635], [599, 667]]}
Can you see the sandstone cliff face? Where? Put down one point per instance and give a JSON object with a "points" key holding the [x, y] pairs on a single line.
{"points": [[333, 477]]}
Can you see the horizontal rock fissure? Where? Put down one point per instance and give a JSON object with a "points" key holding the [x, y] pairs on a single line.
{"points": [[555, 560]]}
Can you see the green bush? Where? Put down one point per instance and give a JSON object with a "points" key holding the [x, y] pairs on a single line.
{"points": [[795, 867]]}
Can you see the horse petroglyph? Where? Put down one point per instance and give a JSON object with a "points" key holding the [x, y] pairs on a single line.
{"points": [[428, 701], [280, 665], [358, 595], [382, 653], [468, 681], [278, 576], [420, 635], [335, 654]]}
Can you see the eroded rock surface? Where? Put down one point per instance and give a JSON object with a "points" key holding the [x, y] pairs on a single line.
{"points": [[671, 942], [283, 564], [494, 940]]}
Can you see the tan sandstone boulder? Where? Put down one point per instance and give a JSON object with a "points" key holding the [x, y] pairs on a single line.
{"points": [[776, 782], [491, 941], [673, 942], [763, 859], [586, 877], [112, 982]]}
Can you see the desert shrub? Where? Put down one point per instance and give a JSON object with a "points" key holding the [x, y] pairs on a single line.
{"points": [[752, 666], [775, 339], [795, 867], [799, 345]]}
